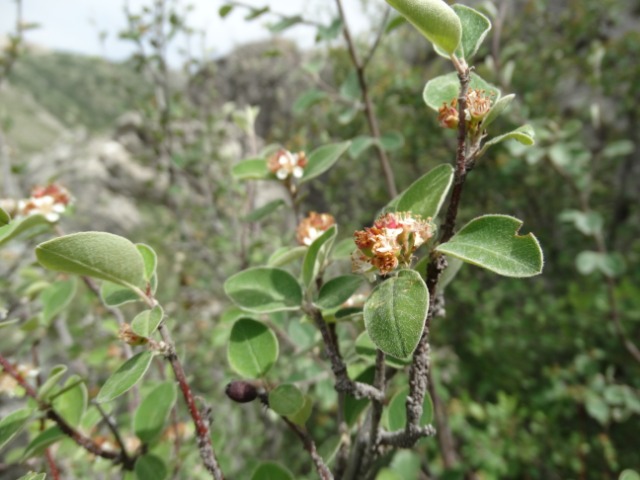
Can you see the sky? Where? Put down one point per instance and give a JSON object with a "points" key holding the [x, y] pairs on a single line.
{"points": [[74, 25]]}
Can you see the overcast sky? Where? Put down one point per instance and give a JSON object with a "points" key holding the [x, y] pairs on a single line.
{"points": [[74, 25]]}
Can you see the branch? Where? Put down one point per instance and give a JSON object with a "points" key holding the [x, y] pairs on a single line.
{"points": [[202, 427], [310, 446], [343, 382], [85, 442], [419, 370], [368, 105]]}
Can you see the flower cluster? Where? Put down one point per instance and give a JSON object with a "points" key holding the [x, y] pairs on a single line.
{"points": [[285, 164], [478, 105], [50, 201], [313, 226], [390, 242]]}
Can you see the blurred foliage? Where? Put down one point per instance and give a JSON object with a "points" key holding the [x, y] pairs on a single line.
{"points": [[535, 379]]}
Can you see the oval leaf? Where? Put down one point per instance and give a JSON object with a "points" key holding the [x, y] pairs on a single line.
{"points": [[322, 159], [445, 88], [129, 373], [252, 169], [264, 211], [524, 134], [114, 295], [271, 471], [395, 312], [434, 19], [426, 195], [94, 254], [264, 290], [150, 260], [72, 404], [496, 110], [359, 145], [54, 376], [56, 297], [397, 413], [11, 424], [286, 255], [252, 349], [145, 323], [475, 27], [153, 412], [338, 290], [150, 467], [5, 218], [317, 255], [42, 441], [16, 227], [491, 242], [301, 416], [286, 399]]}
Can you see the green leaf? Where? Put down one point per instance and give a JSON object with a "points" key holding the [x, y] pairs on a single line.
{"points": [[338, 290], [72, 404], [114, 295], [426, 195], [225, 10], [629, 474], [34, 476], [350, 88], [252, 349], [475, 27], [5, 218], [365, 348], [388, 474], [153, 412], [264, 211], [307, 100], [94, 254], [286, 255], [491, 242], [498, 107], [354, 407], [129, 373], [55, 375], [301, 416], [453, 267], [322, 159], [11, 424], [445, 88], [391, 141], [360, 144], [264, 290], [394, 23], [56, 297], [397, 414], [16, 227], [42, 441], [343, 249], [434, 19], [285, 23], [286, 399], [588, 223], [523, 134], [256, 12], [611, 264], [619, 148], [329, 32], [150, 467], [317, 254], [252, 169], [271, 471], [597, 408], [395, 312], [146, 322], [150, 260]]}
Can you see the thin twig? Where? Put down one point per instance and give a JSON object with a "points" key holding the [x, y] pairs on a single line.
{"points": [[113, 429], [202, 427], [85, 442], [310, 446], [339, 368], [368, 105]]}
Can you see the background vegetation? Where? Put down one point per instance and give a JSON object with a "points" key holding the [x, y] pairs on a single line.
{"points": [[534, 377]]}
